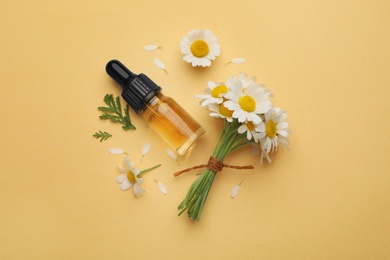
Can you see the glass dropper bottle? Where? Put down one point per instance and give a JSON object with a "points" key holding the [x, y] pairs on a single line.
{"points": [[163, 114]]}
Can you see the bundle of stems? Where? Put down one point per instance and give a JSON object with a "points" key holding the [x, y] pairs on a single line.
{"points": [[228, 141]]}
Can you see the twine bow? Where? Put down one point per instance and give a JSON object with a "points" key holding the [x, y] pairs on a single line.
{"points": [[214, 165]]}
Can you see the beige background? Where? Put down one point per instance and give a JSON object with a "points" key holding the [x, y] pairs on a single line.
{"points": [[327, 198]]}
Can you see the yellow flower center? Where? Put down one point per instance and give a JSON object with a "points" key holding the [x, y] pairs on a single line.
{"points": [[225, 111], [218, 90], [270, 129], [131, 177], [199, 48], [250, 126], [247, 103]]}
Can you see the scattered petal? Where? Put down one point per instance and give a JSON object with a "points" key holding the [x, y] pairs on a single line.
{"points": [[161, 187], [160, 64], [172, 154], [151, 47], [115, 151], [146, 149], [237, 61], [235, 190]]}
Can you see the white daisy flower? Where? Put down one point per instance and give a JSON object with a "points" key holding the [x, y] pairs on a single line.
{"points": [[245, 81], [200, 47], [221, 111], [273, 131], [249, 128], [214, 93], [248, 100], [129, 178]]}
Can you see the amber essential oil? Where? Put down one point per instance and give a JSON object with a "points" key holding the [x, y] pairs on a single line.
{"points": [[176, 126]]}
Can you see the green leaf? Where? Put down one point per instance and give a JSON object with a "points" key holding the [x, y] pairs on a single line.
{"points": [[102, 136], [113, 112]]}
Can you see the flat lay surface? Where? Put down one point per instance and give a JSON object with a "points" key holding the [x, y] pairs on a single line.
{"points": [[327, 197]]}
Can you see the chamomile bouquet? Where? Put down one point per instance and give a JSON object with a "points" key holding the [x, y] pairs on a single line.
{"points": [[249, 119]]}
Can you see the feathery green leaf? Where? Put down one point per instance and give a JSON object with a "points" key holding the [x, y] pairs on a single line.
{"points": [[102, 135], [114, 112]]}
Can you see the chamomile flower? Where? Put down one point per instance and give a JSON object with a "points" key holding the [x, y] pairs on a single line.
{"points": [[273, 131], [249, 128], [221, 111], [245, 81], [214, 93], [129, 178], [248, 102], [200, 47]]}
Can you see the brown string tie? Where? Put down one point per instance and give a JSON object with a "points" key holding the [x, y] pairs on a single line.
{"points": [[214, 165]]}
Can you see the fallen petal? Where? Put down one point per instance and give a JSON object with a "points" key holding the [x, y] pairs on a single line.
{"points": [[235, 190], [172, 154], [151, 47], [162, 188], [159, 64], [115, 151], [146, 149], [238, 60]]}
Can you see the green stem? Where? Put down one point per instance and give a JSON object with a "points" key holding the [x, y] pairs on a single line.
{"points": [[228, 141], [148, 169]]}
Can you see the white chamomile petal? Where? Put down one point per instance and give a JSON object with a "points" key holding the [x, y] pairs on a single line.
{"points": [[151, 47], [137, 190], [125, 185], [265, 155], [129, 164], [171, 154], [136, 171], [146, 149], [237, 61], [115, 151], [140, 180], [122, 170], [159, 64], [235, 190], [162, 187], [121, 178]]}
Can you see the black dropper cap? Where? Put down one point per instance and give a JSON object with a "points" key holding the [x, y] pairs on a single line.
{"points": [[137, 90]]}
